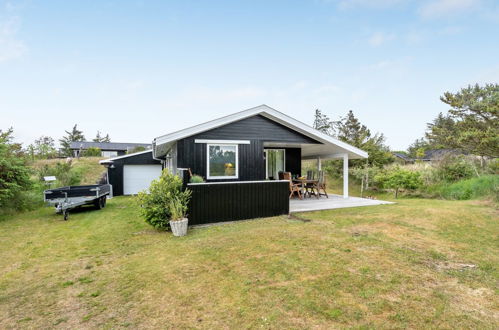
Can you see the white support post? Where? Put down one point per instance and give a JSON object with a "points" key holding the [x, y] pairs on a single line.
{"points": [[345, 176], [319, 164]]}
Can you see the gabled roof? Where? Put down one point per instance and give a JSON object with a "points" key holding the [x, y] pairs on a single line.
{"points": [[110, 160], [119, 146], [329, 147], [438, 154], [403, 156]]}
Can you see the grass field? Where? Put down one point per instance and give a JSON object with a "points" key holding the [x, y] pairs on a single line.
{"points": [[89, 167], [416, 264]]}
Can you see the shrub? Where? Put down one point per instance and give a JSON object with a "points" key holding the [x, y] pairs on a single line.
{"points": [[136, 149], [14, 174], [92, 152], [65, 173], [365, 175], [492, 166], [452, 169], [156, 201], [397, 178], [196, 179], [484, 186]]}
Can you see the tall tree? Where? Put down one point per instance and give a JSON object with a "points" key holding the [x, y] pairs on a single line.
{"points": [[475, 110], [100, 138], [418, 147], [323, 123], [439, 133], [350, 130], [71, 136], [44, 147]]}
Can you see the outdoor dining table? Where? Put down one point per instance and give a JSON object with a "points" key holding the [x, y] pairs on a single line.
{"points": [[304, 182]]}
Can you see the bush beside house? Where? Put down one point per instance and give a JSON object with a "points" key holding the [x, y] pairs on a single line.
{"points": [[156, 202]]}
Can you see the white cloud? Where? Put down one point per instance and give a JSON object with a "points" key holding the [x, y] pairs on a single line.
{"points": [[10, 47], [439, 8], [379, 38]]}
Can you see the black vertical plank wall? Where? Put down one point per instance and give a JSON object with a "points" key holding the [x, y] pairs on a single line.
{"points": [[230, 201]]}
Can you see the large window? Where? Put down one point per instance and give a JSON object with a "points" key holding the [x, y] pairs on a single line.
{"points": [[222, 161]]}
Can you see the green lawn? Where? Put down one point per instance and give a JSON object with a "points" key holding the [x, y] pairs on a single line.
{"points": [[416, 264]]}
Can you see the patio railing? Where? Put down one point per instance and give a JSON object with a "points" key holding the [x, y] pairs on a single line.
{"points": [[239, 200]]}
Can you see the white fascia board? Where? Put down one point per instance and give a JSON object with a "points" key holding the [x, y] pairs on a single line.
{"points": [[105, 161], [267, 112], [222, 141], [311, 132], [209, 125]]}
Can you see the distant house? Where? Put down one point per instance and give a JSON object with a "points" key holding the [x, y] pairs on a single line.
{"points": [[402, 158], [108, 149], [433, 155]]}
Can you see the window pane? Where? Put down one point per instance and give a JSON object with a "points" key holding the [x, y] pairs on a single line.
{"points": [[109, 153], [222, 160], [275, 163]]}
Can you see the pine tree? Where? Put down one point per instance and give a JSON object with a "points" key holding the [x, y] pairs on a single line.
{"points": [[350, 130], [100, 138], [97, 137], [74, 135], [475, 110], [441, 131], [323, 123]]}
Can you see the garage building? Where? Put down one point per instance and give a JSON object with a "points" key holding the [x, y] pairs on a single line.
{"points": [[130, 174]]}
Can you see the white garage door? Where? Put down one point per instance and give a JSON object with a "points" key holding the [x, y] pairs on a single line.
{"points": [[139, 177]]}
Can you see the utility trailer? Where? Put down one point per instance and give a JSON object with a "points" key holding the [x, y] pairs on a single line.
{"points": [[67, 198]]}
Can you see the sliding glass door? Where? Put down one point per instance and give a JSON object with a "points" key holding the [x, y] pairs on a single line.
{"points": [[275, 161]]}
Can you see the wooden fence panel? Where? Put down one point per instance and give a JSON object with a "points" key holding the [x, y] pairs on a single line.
{"points": [[230, 201]]}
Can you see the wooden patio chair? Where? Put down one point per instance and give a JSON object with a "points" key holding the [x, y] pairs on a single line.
{"points": [[310, 187], [321, 184], [293, 187]]}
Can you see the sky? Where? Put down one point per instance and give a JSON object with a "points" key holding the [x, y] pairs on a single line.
{"points": [[141, 69]]}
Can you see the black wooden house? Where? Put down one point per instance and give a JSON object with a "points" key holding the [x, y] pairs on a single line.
{"points": [[239, 156]]}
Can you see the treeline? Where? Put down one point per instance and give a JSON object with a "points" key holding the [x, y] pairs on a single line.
{"points": [[471, 125], [45, 148], [22, 180], [470, 129]]}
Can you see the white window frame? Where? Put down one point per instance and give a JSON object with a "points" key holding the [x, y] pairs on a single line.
{"points": [[208, 145], [109, 153], [267, 161]]}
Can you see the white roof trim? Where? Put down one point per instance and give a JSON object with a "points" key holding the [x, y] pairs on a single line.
{"points": [[267, 112], [110, 160], [222, 141]]}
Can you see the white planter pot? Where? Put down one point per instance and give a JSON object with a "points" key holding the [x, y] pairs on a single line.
{"points": [[179, 227]]}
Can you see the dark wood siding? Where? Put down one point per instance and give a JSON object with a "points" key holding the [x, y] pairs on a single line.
{"points": [[116, 173], [251, 159], [219, 202], [257, 130]]}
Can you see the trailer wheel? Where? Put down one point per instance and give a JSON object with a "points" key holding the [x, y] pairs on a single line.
{"points": [[66, 215], [98, 203]]}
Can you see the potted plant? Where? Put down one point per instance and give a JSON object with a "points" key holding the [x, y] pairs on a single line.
{"points": [[178, 210]]}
